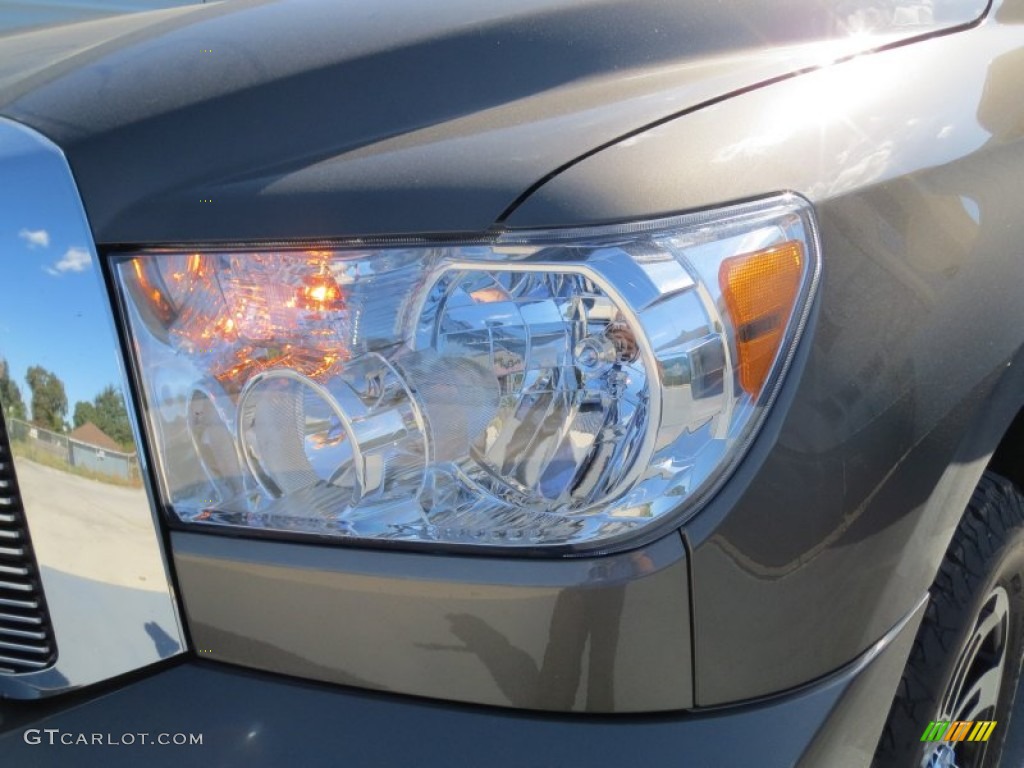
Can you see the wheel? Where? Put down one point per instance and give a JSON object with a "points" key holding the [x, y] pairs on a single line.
{"points": [[966, 659]]}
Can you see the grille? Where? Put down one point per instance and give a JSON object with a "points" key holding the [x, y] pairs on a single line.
{"points": [[26, 635]]}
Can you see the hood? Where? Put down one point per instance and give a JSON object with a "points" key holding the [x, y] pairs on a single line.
{"points": [[331, 118]]}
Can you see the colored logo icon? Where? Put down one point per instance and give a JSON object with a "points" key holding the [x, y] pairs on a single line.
{"points": [[959, 730]]}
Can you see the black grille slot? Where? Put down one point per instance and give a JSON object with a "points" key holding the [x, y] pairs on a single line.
{"points": [[26, 635]]}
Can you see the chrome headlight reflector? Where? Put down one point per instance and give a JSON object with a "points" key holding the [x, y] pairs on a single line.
{"points": [[564, 387]]}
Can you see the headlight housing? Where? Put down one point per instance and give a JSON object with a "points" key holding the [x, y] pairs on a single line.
{"points": [[535, 389]]}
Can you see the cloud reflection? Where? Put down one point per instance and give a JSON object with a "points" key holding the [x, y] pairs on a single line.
{"points": [[74, 260], [35, 238]]}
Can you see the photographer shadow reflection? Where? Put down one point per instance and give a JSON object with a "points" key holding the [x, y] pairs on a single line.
{"points": [[585, 625]]}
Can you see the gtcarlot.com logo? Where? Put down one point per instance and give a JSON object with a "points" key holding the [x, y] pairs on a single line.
{"points": [[55, 736], [959, 730]]}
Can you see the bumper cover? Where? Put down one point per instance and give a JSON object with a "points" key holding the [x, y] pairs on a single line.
{"points": [[253, 719]]}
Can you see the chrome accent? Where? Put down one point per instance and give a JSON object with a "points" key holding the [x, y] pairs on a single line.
{"points": [[20, 585], [97, 544]]}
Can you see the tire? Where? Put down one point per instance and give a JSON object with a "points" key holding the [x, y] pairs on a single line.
{"points": [[975, 618]]}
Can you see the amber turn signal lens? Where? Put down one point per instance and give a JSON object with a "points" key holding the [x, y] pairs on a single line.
{"points": [[760, 290]]}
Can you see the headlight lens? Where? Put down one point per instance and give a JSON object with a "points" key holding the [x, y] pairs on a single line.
{"points": [[543, 388]]}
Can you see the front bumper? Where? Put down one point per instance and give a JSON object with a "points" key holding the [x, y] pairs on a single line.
{"points": [[254, 719]]}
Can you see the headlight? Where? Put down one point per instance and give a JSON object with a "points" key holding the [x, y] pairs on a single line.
{"points": [[565, 387]]}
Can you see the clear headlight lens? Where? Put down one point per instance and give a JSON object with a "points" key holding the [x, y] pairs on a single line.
{"points": [[544, 388]]}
